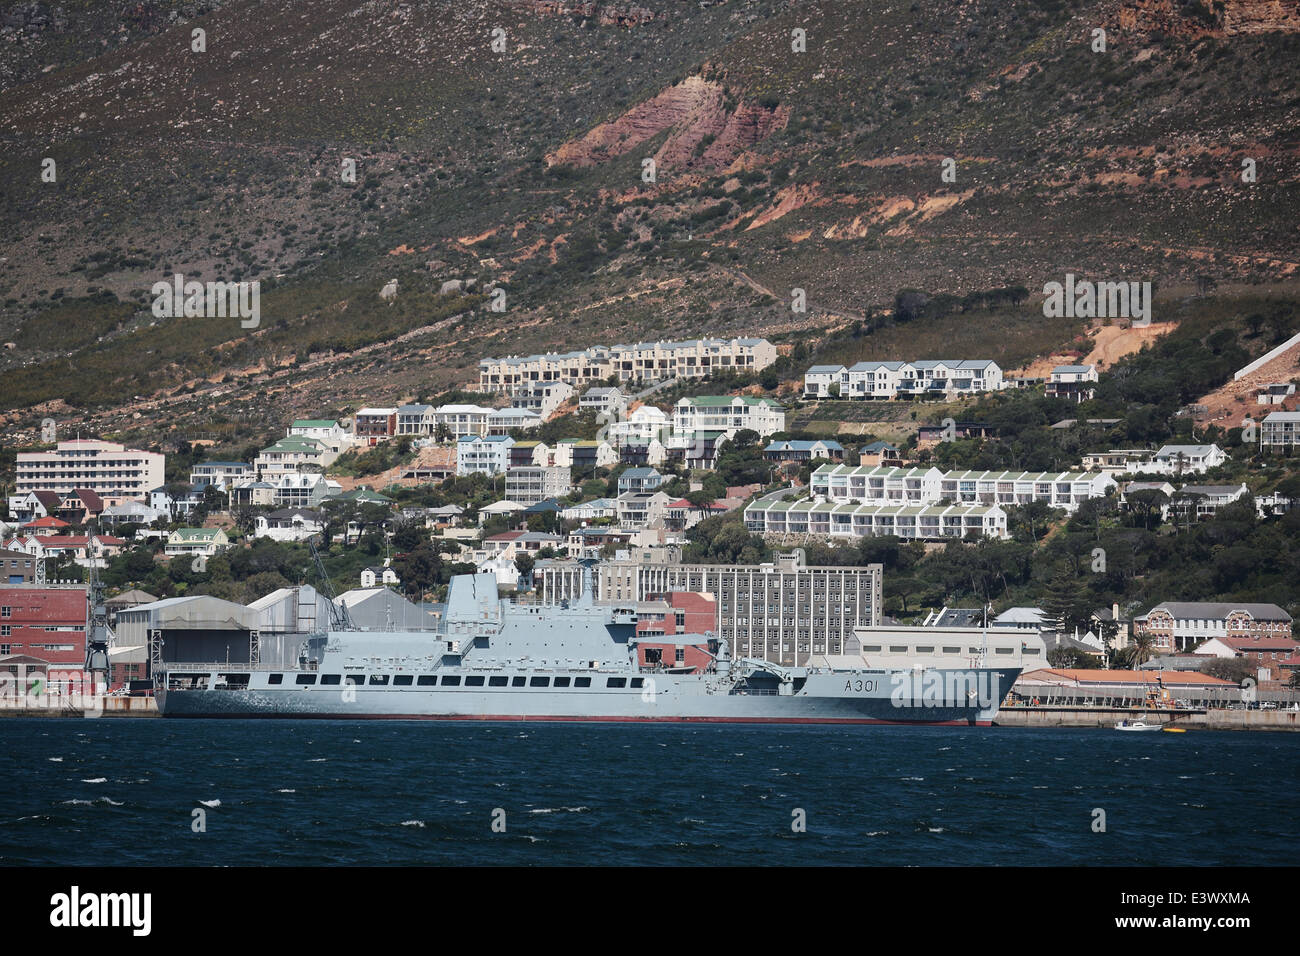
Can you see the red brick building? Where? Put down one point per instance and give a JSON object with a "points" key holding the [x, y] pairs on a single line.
{"points": [[673, 632], [47, 623]]}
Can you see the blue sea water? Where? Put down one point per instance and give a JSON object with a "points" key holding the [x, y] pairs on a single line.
{"points": [[123, 792]]}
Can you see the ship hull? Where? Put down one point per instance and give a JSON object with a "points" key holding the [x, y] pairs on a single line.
{"points": [[830, 698]]}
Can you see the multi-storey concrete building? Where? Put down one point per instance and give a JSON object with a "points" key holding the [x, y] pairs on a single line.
{"points": [[291, 456], [542, 398], [641, 362], [783, 612], [1280, 430], [603, 401], [529, 484], [727, 414], [811, 517], [487, 455], [923, 378], [116, 473], [220, 474], [414, 420], [1181, 460], [884, 485]]}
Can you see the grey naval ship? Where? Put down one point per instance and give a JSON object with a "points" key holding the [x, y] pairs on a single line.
{"points": [[490, 659]]}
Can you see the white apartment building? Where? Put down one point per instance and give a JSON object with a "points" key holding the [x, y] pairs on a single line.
{"points": [[1181, 460], [817, 381], [458, 420], [483, 455], [645, 423], [291, 456], [219, 474], [114, 472], [326, 431], [1280, 430], [414, 419], [729, 414], [922, 378], [640, 362], [831, 520], [502, 420], [542, 398], [604, 401], [530, 484], [884, 485], [871, 380]]}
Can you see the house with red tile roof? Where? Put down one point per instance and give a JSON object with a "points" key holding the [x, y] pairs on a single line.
{"points": [[1266, 653]]}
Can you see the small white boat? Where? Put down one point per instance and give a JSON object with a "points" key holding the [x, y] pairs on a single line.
{"points": [[1136, 725]]}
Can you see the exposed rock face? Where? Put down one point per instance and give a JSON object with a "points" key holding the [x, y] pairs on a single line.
{"points": [[1210, 17], [605, 14], [703, 134]]}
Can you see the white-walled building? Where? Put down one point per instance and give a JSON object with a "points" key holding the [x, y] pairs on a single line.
{"points": [[729, 414], [542, 398], [644, 423], [486, 455], [639, 362], [1280, 430], [114, 472], [886, 485], [220, 474], [293, 455], [832, 520], [1078, 383], [1181, 460], [289, 524], [529, 484], [604, 401], [921, 378]]}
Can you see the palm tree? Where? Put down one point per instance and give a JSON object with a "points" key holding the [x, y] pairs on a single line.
{"points": [[1141, 650]]}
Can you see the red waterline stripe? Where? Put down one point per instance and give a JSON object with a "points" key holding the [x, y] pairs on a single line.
{"points": [[598, 720]]}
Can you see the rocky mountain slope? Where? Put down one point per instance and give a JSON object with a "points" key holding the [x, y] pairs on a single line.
{"points": [[795, 145]]}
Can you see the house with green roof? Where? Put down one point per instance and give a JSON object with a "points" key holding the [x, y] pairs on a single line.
{"points": [[293, 455], [728, 414], [203, 542]]}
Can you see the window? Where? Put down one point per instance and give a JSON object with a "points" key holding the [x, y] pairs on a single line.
{"points": [[378, 679], [474, 680], [275, 679], [332, 679], [898, 648], [6, 612], [426, 680], [561, 682], [403, 680], [517, 682], [356, 680], [539, 682], [952, 650], [1004, 650], [582, 682], [638, 681], [6, 630], [451, 680], [304, 679], [616, 682], [871, 648], [497, 682]]}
